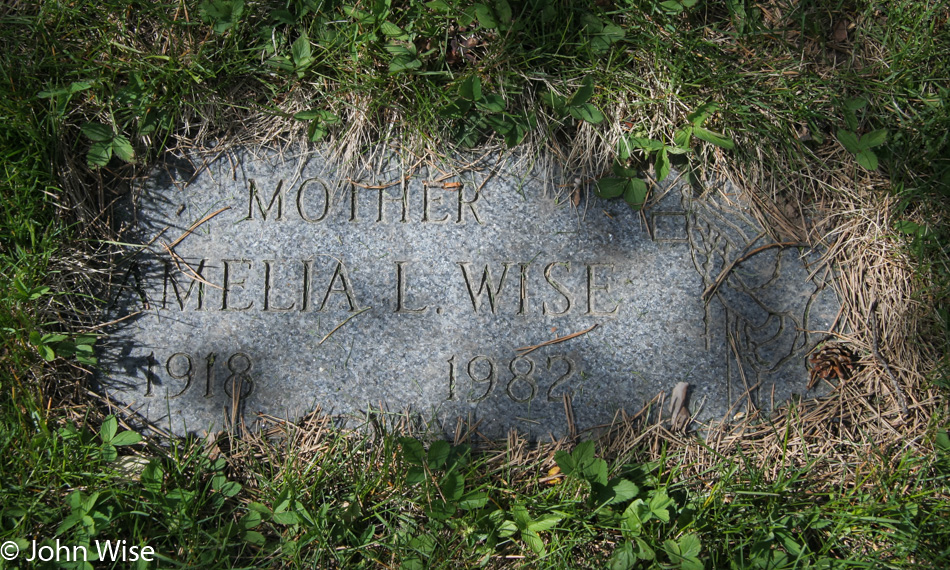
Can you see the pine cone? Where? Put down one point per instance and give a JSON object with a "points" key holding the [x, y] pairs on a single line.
{"points": [[833, 360]]}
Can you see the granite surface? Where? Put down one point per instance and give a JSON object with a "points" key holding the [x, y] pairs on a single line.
{"points": [[398, 285]]}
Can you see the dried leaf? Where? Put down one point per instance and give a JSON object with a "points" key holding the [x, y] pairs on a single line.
{"points": [[679, 402], [840, 33]]}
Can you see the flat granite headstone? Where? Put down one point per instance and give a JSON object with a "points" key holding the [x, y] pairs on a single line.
{"points": [[277, 284]]}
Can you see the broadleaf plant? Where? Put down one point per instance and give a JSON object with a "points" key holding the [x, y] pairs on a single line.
{"points": [[105, 143], [626, 181]]}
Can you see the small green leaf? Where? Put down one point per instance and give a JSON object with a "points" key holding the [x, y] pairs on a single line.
{"points": [[300, 50], [46, 352], [506, 528], [74, 87], [583, 453], [316, 131], [623, 490], [452, 486], [682, 136], [412, 450], [849, 140], [690, 545], [503, 10], [123, 148], [659, 503], [587, 112], [644, 552], [255, 538], [486, 18], [851, 120], [83, 339], [153, 476], [533, 541], [622, 171], [636, 193], [855, 103], [109, 452], [623, 557], [415, 475], [491, 103], [471, 89], [672, 6], [907, 227], [662, 165], [100, 153], [584, 92], [943, 441], [404, 63], [127, 437], [645, 143], [465, 17], [520, 515], [392, 30], [108, 429], [606, 188], [554, 101], [473, 500], [286, 518], [684, 553], [873, 139], [563, 458], [230, 488], [635, 515], [867, 159], [546, 522], [596, 470], [703, 112], [222, 14], [260, 508], [608, 35], [715, 138], [97, 132], [623, 149]]}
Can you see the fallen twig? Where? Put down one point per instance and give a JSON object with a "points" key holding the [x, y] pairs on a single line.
{"points": [[195, 225], [194, 274], [339, 326], [529, 349]]}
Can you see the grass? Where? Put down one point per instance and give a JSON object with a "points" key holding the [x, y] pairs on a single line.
{"points": [[94, 92]]}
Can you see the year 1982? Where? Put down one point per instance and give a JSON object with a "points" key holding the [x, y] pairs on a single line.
{"points": [[520, 383]]}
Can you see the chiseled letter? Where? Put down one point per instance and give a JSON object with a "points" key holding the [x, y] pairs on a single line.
{"points": [[229, 282], [268, 286], [326, 201], [471, 205], [254, 196], [591, 287], [426, 199], [346, 289], [401, 291], [485, 286], [182, 301], [560, 288]]}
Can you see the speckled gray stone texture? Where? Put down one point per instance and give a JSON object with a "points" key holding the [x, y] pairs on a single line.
{"points": [[307, 305]]}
